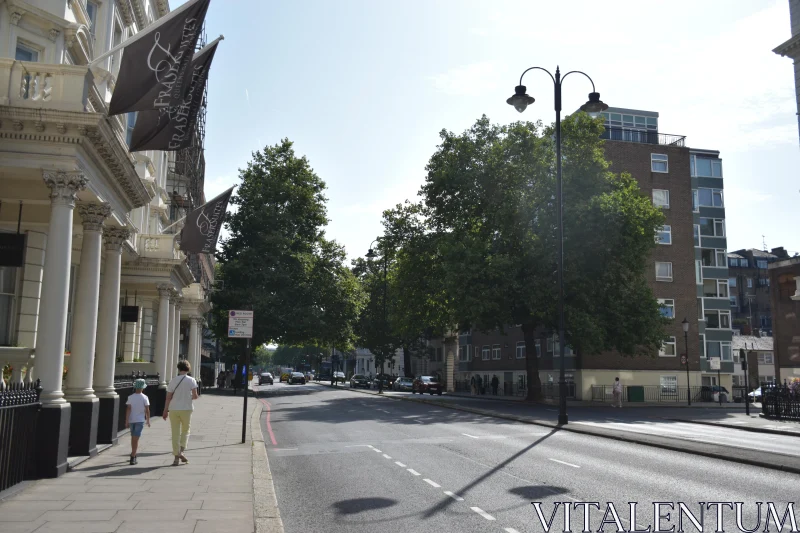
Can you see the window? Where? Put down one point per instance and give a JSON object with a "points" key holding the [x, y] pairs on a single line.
{"points": [[669, 384], [725, 347], [734, 302], [668, 348], [661, 198], [8, 301], [715, 288], [743, 263], [697, 235], [737, 381], [462, 354], [732, 282], [710, 197], [26, 53], [91, 9], [712, 227], [762, 263], [538, 348], [713, 258], [664, 235], [131, 122], [763, 282], [667, 307], [658, 163], [734, 262], [749, 283], [663, 271], [485, 353], [698, 272], [695, 202], [706, 167], [550, 344], [495, 351], [521, 350], [766, 358], [718, 319]]}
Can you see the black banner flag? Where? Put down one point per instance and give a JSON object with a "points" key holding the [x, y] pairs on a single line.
{"points": [[171, 128], [201, 230], [155, 67]]}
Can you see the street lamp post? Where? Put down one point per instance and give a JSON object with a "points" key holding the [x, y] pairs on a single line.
{"points": [[520, 101], [685, 324], [371, 255]]}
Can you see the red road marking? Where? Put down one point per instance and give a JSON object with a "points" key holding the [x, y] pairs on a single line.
{"points": [[269, 424]]}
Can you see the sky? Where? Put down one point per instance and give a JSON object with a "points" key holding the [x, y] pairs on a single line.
{"points": [[363, 88]]}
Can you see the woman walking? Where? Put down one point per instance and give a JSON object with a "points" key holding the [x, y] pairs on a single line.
{"points": [[181, 393]]}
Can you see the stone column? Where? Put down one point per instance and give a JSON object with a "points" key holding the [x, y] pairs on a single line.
{"points": [[194, 338], [171, 358], [107, 325], [162, 333], [53, 428], [79, 392], [176, 335]]}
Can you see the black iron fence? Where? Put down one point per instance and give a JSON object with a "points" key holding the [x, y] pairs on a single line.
{"points": [[518, 390], [659, 394], [643, 137], [19, 414], [124, 387], [781, 402]]}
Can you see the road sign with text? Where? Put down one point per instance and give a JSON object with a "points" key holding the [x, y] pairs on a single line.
{"points": [[240, 324], [715, 363]]}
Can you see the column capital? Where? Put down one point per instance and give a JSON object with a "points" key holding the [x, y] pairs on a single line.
{"points": [[198, 319], [115, 238], [178, 303], [64, 186], [164, 290], [174, 295], [93, 215]]}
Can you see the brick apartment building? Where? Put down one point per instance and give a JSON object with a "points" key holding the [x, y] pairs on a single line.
{"points": [[784, 282], [688, 273], [749, 284]]}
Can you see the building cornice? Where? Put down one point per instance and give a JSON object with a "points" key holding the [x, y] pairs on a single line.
{"points": [[125, 11], [790, 48], [140, 14], [163, 7], [90, 130]]}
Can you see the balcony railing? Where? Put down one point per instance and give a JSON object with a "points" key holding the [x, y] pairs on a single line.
{"points": [[643, 137]]}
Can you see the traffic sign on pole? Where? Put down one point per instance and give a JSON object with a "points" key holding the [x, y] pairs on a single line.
{"points": [[715, 363], [240, 324]]}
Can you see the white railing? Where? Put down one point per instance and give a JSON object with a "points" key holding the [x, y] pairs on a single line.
{"points": [[21, 361], [40, 85], [159, 247]]}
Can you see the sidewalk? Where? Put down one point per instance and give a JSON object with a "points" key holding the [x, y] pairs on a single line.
{"points": [[213, 493]]}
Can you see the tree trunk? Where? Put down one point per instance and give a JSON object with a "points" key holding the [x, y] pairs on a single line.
{"points": [[406, 361], [531, 363]]}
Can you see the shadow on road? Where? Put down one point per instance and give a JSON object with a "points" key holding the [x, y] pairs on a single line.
{"points": [[537, 492], [360, 505]]}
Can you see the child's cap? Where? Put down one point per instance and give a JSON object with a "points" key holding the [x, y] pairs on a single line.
{"points": [[139, 384]]}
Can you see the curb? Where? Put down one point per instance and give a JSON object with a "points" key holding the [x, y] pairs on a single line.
{"points": [[752, 429], [686, 447], [266, 515]]}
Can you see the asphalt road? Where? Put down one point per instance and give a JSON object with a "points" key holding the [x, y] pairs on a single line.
{"points": [[349, 462]]}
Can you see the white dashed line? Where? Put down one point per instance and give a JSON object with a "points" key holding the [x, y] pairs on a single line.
{"points": [[564, 463], [376, 450], [511, 530], [432, 483], [419, 421], [483, 513], [456, 497], [283, 449], [386, 456], [401, 465], [413, 471], [470, 436], [359, 446]]}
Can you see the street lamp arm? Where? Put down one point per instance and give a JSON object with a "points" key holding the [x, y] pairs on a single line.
{"points": [[536, 68], [579, 72]]}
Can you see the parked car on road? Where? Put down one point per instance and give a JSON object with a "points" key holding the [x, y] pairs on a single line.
{"points": [[387, 381], [708, 392], [297, 377], [339, 377], [265, 379], [359, 380], [755, 395], [403, 384], [429, 384]]}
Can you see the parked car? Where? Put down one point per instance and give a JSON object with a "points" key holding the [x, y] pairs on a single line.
{"points": [[309, 376], [387, 381], [297, 377], [429, 384], [265, 379], [755, 395], [339, 377], [359, 380], [707, 393], [403, 384]]}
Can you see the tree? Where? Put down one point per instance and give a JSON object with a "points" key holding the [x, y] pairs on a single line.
{"points": [[489, 202], [277, 260]]}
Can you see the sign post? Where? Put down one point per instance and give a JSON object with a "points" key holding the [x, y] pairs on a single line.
{"points": [[240, 326], [715, 365], [743, 358]]}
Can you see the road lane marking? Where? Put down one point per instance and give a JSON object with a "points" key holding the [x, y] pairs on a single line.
{"points": [[413, 471], [376, 450], [483, 513], [359, 446], [432, 483], [456, 497], [401, 465], [511, 530], [470, 436], [269, 423], [386, 456], [419, 421], [564, 463]]}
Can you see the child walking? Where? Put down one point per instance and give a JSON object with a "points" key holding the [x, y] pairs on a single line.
{"points": [[138, 413]]}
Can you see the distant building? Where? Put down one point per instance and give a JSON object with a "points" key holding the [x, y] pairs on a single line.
{"points": [[791, 48], [762, 347], [785, 296], [749, 289]]}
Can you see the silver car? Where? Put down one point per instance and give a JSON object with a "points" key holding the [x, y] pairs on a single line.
{"points": [[403, 384]]}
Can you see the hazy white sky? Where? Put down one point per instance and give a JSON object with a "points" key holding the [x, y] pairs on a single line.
{"points": [[364, 87]]}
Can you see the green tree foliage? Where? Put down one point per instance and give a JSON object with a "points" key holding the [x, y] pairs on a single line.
{"points": [[374, 328], [488, 227], [277, 260]]}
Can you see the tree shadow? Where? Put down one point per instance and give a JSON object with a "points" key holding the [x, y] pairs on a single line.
{"points": [[133, 471], [360, 505]]}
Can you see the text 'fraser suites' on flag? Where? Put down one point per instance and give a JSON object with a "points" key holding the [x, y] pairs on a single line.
{"points": [[201, 230]]}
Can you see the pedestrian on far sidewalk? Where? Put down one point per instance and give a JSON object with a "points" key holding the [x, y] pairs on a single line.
{"points": [[181, 393], [617, 393], [473, 388], [495, 384]]}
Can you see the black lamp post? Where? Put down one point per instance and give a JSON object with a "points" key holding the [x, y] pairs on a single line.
{"points": [[685, 325], [371, 255], [521, 101]]}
